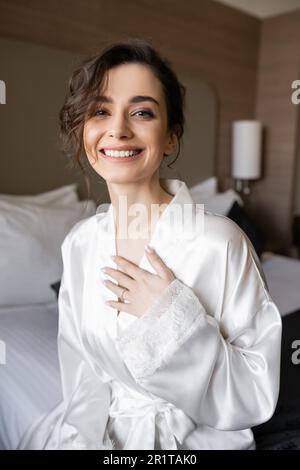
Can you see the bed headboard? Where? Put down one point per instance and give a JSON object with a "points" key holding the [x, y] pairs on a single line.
{"points": [[31, 161]]}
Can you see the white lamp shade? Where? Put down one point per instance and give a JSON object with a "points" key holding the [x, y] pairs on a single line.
{"points": [[246, 149]]}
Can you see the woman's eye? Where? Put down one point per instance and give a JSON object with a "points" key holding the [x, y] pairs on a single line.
{"points": [[99, 111], [149, 113]]}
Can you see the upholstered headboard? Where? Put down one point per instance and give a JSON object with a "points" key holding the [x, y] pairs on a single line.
{"points": [[31, 162]]}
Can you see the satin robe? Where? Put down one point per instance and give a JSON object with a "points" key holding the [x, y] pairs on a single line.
{"points": [[196, 371]]}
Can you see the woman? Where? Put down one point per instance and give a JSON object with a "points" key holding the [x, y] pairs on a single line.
{"points": [[174, 348]]}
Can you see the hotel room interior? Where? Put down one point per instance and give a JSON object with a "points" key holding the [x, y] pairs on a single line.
{"points": [[240, 156]]}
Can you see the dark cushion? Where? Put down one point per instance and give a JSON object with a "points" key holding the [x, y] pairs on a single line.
{"points": [[282, 431], [240, 217], [55, 286]]}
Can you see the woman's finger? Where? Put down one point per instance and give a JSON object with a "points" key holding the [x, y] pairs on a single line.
{"points": [[158, 264], [119, 276], [127, 266], [117, 289]]}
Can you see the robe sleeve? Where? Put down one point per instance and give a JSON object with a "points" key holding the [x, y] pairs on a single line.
{"points": [[221, 368], [86, 397]]}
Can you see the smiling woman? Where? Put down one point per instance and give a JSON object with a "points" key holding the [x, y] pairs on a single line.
{"points": [[96, 99], [125, 136], [139, 122], [192, 360]]}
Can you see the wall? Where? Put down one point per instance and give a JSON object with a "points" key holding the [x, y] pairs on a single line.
{"points": [[36, 78], [202, 39], [273, 196]]}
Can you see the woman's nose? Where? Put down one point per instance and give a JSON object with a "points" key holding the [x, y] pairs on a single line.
{"points": [[118, 133], [119, 127]]}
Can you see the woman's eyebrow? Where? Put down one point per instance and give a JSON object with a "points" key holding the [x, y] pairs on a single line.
{"points": [[134, 99]]}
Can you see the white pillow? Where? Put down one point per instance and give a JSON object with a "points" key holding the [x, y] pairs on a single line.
{"points": [[30, 249], [221, 203], [65, 195], [204, 190]]}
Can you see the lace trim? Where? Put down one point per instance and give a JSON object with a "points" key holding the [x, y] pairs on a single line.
{"points": [[148, 342]]}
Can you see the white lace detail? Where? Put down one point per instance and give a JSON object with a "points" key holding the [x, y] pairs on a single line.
{"points": [[150, 340]]}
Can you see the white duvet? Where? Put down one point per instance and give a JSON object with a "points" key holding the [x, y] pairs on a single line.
{"points": [[30, 380]]}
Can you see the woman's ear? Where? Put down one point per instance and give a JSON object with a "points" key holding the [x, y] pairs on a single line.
{"points": [[172, 145]]}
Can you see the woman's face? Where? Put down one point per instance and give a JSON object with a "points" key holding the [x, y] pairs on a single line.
{"points": [[133, 115]]}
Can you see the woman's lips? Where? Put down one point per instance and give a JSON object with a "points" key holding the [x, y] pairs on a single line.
{"points": [[122, 159]]}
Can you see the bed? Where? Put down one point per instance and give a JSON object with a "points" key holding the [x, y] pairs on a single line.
{"points": [[282, 432], [32, 229], [29, 376], [29, 381]]}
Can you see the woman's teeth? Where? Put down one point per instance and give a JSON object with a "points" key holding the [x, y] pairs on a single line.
{"points": [[123, 153]]}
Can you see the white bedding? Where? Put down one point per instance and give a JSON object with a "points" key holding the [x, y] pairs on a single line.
{"points": [[283, 278], [30, 380]]}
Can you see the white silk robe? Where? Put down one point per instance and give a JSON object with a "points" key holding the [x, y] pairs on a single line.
{"points": [[196, 371]]}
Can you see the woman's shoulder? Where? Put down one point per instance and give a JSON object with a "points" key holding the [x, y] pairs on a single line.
{"points": [[227, 235], [81, 231], [222, 229]]}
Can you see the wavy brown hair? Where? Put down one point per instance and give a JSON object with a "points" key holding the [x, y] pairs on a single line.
{"points": [[89, 78]]}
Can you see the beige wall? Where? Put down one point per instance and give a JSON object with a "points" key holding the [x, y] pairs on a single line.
{"points": [[273, 197], [35, 77]]}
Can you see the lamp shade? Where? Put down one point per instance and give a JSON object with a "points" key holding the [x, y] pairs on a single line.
{"points": [[246, 149]]}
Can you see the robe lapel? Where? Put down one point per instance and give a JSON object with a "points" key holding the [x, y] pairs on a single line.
{"points": [[164, 240], [101, 321]]}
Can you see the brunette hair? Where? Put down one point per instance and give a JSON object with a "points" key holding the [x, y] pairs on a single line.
{"points": [[89, 77]]}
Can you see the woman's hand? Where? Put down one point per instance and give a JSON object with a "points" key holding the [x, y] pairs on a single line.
{"points": [[142, 288]]}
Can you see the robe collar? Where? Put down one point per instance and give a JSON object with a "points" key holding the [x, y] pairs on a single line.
{"points": [[166, 232], [166, 240]]}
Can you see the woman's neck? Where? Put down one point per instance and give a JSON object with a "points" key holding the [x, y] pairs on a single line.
{"points": [[145, 194]]}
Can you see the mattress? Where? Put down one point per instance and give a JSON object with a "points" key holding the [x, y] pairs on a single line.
{"points": [[283, 278]]}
